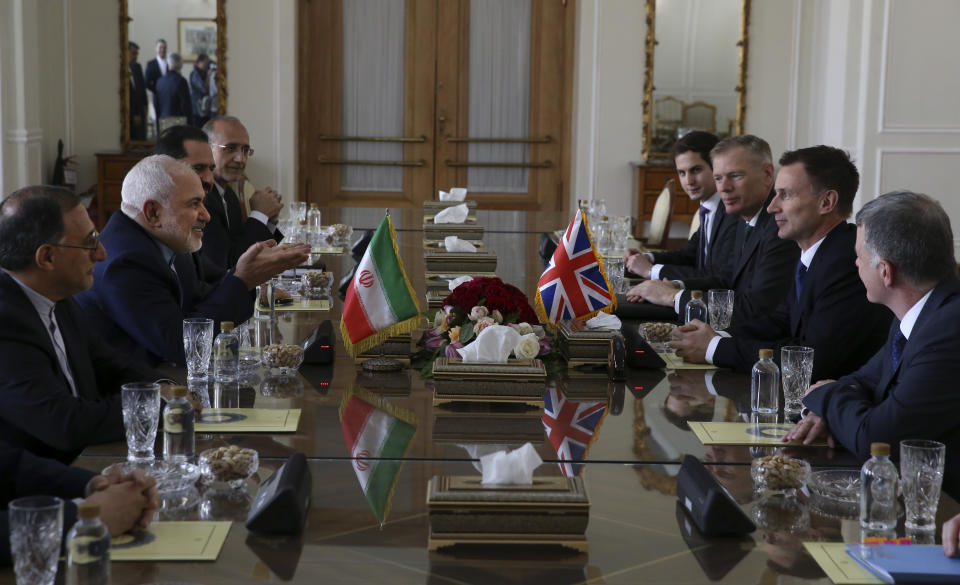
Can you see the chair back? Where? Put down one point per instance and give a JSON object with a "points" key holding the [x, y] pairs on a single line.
{"points": [[694, 225], [700, 115], [661, 216]]}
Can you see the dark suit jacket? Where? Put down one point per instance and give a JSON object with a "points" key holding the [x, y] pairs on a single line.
{"points": [[37, 409], [22, 474], [222, 245], [917, 401], [682, 264], [139, 303], [153, 74], [173, 96], [761, 272], [138, 103], [832, 315]]}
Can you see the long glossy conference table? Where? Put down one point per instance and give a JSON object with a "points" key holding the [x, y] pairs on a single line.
{"points": [[636, 532]]}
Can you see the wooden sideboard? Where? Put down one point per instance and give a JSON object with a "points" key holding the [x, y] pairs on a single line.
{"points": [[112, 167], [648, 181]]}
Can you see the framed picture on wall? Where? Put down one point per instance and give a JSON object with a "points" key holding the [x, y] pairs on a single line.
{"points": [[197, 35]]}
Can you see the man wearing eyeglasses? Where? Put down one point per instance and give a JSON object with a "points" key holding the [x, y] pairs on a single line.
{"points": [[228, 234], [60, 388]]}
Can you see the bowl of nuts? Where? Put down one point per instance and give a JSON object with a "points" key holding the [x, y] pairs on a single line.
{"points": [[778, 473], [284, 357], [657, 335], [316, 284], [339, 234], [231, 465]]}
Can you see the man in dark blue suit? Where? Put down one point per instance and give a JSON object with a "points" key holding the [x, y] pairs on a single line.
{"points": [[906, 391], [148, 285], [60, 388], [827, 308], [229, 233], [126, 501], [762, 266], [708, 251], [173, 92], [156, 68], [138, 96]]}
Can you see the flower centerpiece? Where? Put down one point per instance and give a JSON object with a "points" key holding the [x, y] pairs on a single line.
{"points": [[476, 305]]}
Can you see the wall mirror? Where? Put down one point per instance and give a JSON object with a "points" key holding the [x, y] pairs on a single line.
{"points": [[696, 70], [149, 103]]}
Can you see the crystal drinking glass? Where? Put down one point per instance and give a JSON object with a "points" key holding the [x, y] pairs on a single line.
{"points": [[36, 527], [796, 369], [720, 308], [141, 412], [921, 473], [197, 344]]}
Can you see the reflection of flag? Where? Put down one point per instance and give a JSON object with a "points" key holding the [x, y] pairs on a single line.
{"points": [[380, 301], [377, 435], [571, 427], [574, 284]]}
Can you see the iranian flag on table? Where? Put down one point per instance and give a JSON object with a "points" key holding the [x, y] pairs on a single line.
{"points": [[378, 435], [380, 301]]}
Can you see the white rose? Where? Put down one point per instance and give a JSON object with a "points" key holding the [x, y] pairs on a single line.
{"points": [[527, 348], [524, 328]]}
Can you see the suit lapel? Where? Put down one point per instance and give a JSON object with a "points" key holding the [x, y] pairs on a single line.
{"points": [[233, 210], [80, 366]]}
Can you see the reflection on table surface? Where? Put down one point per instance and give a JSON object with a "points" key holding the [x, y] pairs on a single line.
{"points": [[636, 534]]}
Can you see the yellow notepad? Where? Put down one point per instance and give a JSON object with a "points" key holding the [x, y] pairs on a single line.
{"points": [[248, 420], [304, 305], [172, 541], [737, 433], [675, 363], [326, 250], [840, 567]]}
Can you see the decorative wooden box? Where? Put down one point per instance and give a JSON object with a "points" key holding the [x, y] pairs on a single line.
{"points": [[498, 424], [385, 383], [431, 208], [397, 348], [435, 298], [445, 262], [591, 346], [552, 510], [441, 245], [436, 280], [517, 381], [464, 231]]}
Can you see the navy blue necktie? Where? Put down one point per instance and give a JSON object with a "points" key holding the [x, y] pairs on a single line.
{"points": [[896, 352], [799, 276], [704, 233]]}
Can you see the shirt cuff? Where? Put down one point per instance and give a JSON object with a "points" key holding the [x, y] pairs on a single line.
{"points": [[676, 302], [649, 256], [261, 217], [655, 271], [712, 348]]}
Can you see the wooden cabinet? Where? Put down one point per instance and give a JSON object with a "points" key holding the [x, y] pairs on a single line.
{"points": [[112, 167], [648, 181]]}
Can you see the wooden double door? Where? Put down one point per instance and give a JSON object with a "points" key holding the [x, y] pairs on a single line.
{"points": [[401, 98]]}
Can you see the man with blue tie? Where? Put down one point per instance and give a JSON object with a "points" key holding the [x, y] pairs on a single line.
{"points": [[906, 391], [60, 388], [709, 249], [827, 308]]}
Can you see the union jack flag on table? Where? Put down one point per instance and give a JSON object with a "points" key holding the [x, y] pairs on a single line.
{"points": [[571, 427], [574, 285]]}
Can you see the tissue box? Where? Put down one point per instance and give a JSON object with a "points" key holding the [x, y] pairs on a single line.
{"points": [[459, 262], [436, 282], [517, 381], [431, 208], [591, 346], [441, 245], [465, 231], [552, 510], [496, 424], [397, 348]]}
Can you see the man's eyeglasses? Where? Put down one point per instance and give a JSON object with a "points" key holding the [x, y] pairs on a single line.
{"points": [[93, 246], [233, 148]]}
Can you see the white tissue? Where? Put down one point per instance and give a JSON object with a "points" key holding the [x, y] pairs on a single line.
{"points": [[455, 194], [604, 321], [493, 345], [454, 214], [455, 244], [458, 281], [513, 467]]}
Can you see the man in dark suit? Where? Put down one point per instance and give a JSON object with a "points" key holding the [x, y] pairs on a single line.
{"points": [[906, 262], [138, 96], [156, 68], [173, 92], [761, 270], [126, 501], [229, 233], [60, 388], [708, 250], [148, 286], [827, 308]]}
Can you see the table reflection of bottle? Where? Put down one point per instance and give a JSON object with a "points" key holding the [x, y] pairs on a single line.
{"points": [[226, 394]]}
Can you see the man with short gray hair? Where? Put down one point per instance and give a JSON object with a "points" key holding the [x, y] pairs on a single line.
{"points": [[173, 92], [906, 391], [147, 286]]}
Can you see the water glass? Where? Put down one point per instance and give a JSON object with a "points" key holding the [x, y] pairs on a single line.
{"points": [[36, 527], [921, 474], [141, 412], [796, 369], [720, 308], [615, 275], [197, 343]]}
